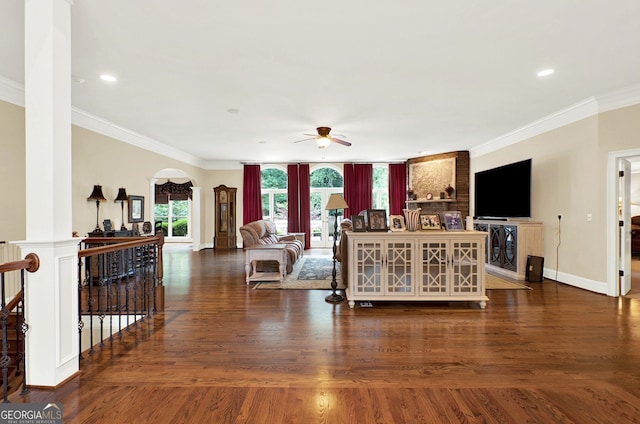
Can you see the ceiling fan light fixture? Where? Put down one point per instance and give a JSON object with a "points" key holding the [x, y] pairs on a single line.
{"points": [[323, 142]]}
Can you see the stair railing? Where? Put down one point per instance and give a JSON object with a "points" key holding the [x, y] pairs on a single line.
{"points": [[15, 307], [119, 284]]}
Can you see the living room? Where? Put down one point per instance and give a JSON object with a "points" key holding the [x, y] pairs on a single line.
{"points": [[575, 133]]}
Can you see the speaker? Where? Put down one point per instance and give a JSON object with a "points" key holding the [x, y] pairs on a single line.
{"points": [[535, 268]]}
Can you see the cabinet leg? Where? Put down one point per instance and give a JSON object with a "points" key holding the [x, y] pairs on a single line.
{"points": [[352, 303], [483, 304]]}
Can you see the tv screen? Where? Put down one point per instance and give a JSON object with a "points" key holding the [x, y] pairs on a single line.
{"points": [[504, 192]]}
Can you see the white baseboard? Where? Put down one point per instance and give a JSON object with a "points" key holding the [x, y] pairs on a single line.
{"points": [[576, 281]]}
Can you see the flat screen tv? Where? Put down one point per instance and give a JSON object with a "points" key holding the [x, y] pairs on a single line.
{"points": [[504, 192]]}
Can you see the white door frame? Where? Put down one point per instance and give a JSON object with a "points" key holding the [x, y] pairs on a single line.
{"points": [[612, 196]]}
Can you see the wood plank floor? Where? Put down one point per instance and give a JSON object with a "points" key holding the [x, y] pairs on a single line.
{"points": [[224, 353]]}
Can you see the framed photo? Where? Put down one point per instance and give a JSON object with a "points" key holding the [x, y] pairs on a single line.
{"points": [[397, 223], [429, 196], [136, 208], [376, 220], [357, 221], [453, 221], [430, 222]]}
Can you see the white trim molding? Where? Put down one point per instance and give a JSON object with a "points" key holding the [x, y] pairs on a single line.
{"points": [[586, 108]]}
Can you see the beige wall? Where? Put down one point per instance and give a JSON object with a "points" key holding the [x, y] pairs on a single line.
{"points": [[12, 173], [97, 159], [570, 177], [564, 181]]}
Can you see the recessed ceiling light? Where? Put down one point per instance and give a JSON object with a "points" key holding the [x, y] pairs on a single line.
{"points": [[108, 78], [233, 111], [262, 142], [545, 72]]}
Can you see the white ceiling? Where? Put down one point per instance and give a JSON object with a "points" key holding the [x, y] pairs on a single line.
{"points": [[397, 78]]}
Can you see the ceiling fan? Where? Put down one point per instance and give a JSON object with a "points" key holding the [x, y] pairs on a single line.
{"points": [[324, 139]]}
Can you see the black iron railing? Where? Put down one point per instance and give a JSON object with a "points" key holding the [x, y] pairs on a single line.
{"points": [[119, 285], [13, 324]]}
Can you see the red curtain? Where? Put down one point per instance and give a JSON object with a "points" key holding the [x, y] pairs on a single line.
{"points": [[304, 181], [358, 187], [293, 199], [252, 194], [397, 188], [299, 201]]}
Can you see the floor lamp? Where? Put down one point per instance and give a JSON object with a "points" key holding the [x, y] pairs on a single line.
{"points": [[122, 197], [336, 201], [97, 195]]}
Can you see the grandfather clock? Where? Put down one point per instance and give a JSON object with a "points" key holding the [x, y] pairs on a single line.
{"points": [[225, 234]]}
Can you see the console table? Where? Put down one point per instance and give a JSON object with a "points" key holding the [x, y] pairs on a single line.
{"points": [[420, 266], [269, 252]]}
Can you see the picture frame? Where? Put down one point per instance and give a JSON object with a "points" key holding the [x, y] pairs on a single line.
{"points": [[430, 222], [376, 220], [358, 224], [397, 223], [136, 208], [453, 221]]}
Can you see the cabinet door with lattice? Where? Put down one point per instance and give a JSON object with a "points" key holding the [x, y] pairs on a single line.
{"points": [[433, 267], [467, 275], [399, 267], [368, 266]]}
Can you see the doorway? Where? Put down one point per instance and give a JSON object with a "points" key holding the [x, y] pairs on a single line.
{"points": [[325, 181], [622, 204]]}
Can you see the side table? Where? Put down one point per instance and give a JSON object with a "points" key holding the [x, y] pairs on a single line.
{"points": [[270, 252]]}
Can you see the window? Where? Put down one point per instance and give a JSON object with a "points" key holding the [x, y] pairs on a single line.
{"points": [[176, 212], [274, 197], [324, 182], [381, 187]]}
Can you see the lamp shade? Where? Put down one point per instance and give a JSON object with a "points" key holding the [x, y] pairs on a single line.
{"points": [[96, 194], [323, 142], [122, 195], [336, 201]]}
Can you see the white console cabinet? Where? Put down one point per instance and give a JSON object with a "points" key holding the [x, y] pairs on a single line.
{"points": [[421, 266]]}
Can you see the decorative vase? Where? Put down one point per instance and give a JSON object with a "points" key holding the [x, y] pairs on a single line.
{"points": [[412, 218], [449, 190]]}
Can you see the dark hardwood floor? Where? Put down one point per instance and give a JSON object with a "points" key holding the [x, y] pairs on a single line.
{"points": [[222, 352]]}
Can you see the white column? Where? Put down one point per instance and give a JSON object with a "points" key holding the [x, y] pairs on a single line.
{"points": [[51, 294], [195, 218]]}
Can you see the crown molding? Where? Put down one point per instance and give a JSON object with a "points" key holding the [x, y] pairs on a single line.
{"points": [[618, 99], [566, 116], [591, 106], [11, 91], [94, 123]]}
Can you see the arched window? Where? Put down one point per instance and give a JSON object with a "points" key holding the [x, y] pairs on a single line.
{"points": [[274, 196]]}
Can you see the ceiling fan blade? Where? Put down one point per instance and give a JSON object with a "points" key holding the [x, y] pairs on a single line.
{"points": [[305, 139], [337, 140]]}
